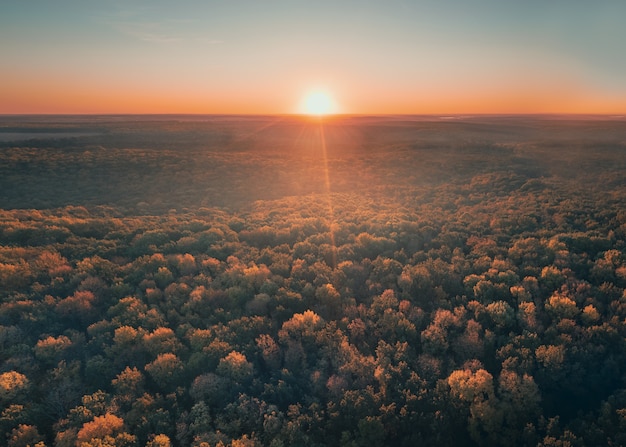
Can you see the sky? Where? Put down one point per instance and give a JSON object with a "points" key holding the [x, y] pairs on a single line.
{"points": [[266, 56]]}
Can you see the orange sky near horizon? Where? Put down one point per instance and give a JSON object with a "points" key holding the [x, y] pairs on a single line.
{"points": [[395, 57], [58, 98]]}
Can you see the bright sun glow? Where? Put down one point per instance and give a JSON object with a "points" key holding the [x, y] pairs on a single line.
{"points": [[318, 103]]}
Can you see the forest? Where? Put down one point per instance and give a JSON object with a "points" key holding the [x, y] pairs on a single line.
{"points": [[247, 281]]}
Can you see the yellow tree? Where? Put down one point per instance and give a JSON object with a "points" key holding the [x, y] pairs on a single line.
{"points": [[12, 383], [474, 387]]}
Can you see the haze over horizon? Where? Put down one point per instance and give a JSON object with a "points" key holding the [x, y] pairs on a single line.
{"points": [[396, 57]]}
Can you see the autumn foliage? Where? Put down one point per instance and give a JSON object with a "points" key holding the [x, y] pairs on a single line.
{"points": [[189, 283]]}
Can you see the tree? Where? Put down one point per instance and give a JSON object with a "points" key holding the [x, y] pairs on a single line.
{"points": [[100, 427], [25, 436], [165, 370], [298, 335], [161, 340], [129, 384], [79, 308], [127, 348], [551, 357], [160, 440], [211, 388], [519, 397], [270, 351], [329, 301], [235, 367], [12, 384], [560, 306], [474, 388], [502, 315], [52, 349]]}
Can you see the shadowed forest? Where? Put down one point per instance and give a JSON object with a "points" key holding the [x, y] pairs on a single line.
{"points": [[284, 281]]}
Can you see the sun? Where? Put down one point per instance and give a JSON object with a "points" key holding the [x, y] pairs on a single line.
{"points": [[318, 103]]}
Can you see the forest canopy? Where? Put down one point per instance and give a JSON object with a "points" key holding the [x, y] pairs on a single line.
{"points": [[274, 281]]}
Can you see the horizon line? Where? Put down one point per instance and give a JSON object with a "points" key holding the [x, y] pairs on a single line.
{"points": [[330, 115]]}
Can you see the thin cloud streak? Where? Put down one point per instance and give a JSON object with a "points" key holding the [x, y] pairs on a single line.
{"points": [[157, 32]]}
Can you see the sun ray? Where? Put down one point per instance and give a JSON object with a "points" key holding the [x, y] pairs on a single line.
{"points": [[329, 199]]}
